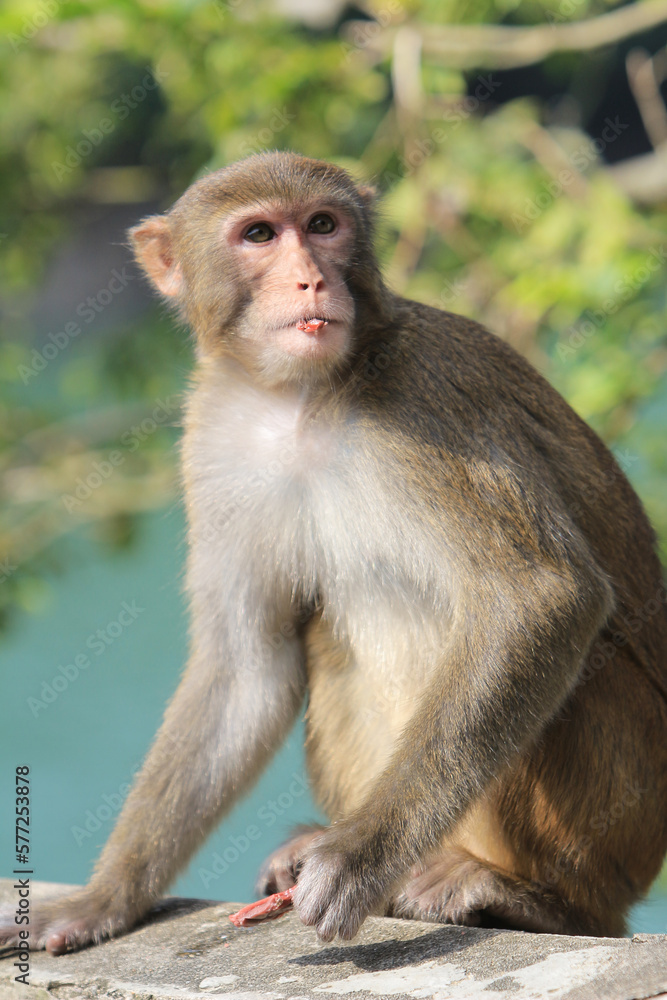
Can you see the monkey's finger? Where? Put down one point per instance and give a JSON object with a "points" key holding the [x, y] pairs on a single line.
{"points": [[336, 921]]}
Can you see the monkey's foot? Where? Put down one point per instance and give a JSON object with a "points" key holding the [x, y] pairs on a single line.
{"points": [[279, 871], [67, 924], [460, 889]]}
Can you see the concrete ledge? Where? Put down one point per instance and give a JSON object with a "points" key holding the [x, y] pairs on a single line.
{"points": [[188, 949]]}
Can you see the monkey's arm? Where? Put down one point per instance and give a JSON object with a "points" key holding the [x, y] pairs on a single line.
{"points": [[236, 702], [515, 649]]}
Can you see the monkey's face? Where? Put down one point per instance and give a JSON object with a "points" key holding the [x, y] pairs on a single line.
{"points": [[297, 315], [271, 262]]}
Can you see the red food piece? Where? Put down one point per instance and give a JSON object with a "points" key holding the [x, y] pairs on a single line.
{"points": [[264, 909], [311, 325]]}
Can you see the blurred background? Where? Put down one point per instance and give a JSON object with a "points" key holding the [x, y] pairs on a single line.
{"points": [[520, 150]]}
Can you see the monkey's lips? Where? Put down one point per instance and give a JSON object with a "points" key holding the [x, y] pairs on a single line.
{"points": [[312, 325], [320, 340]]}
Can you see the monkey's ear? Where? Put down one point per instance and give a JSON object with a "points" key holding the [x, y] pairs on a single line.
{"points": [[153, 249], [367, 194]]}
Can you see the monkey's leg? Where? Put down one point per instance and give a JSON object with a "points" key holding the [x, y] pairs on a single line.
{"points": [[458, 888], [487, 705], [235, 704], [280, 869], [585, 811], [579, 817]]}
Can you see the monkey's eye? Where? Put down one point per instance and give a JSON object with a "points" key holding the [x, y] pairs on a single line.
{"points": [[261, 232], [321, 223]]}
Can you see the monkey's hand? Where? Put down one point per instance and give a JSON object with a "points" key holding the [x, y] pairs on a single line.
{"points": [[281, 869], [69, 923], [339, 886]]}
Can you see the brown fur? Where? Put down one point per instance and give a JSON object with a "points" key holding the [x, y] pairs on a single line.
{"points": [[461, 576]]}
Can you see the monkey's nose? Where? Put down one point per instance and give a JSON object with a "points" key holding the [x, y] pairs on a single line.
{"points": [[317, 286]]}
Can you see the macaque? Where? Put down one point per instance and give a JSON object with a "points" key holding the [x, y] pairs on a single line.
{"points": [[465, 583]]}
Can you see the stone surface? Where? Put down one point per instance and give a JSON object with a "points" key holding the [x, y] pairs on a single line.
{"points": [[189, 949]]}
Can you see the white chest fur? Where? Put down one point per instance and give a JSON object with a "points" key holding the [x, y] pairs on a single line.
{"points": [[290, 504], [263, 437]]}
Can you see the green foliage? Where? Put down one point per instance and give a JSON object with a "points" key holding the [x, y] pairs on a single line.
{"points": [[486, 210]]}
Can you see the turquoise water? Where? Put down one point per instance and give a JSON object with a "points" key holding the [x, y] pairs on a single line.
{"points": [[125, 615]]}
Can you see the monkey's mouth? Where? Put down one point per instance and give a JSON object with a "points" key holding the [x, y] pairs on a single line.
{"points": [[312, 325], [314, 339]]}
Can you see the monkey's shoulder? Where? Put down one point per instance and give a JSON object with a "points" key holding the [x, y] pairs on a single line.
{"points": [[446, 374], [466, 400], [452, 352]]}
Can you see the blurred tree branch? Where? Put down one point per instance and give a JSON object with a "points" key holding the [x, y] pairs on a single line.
{"points": [[645, 74], [642, 178], [488, 46]]}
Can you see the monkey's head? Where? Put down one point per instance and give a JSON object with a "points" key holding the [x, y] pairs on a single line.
{"points": [[271, 261]]}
